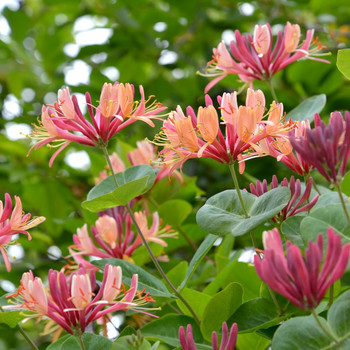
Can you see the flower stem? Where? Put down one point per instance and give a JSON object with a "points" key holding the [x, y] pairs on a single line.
{"points": [[337, 185], [331, 293], [24, 334], [275, 301], [81, 342], [325, 330], [274, 96], [148, 248], [235, 181]]}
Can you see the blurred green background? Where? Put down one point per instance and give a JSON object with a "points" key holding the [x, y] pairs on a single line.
{"points": [[48, 44]]}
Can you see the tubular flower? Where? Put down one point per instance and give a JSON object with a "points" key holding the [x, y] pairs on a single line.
{"points": [[200, 136], [304, 282], [113, 236], [13, 222], [63, 122], [326, 148], [72, 303], [228, 340], [255, 58], [297, 203]]}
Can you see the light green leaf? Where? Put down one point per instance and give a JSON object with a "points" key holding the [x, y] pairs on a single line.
{"points": [[198, 256], [339, 315], [133, 182], [223, 213], [152, 284], [12, 318], [91, 342], [174, 212], [197, 300], [306, 110], [343, 62], [291, 229]]}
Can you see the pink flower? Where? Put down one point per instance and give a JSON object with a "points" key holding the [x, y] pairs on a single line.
{"points": [[326, 148], [197, 136], [114, 237], [304, 282], [255, 58], [297, 203], [64, 122], [13, 222], [72, 303], [228, 340]]}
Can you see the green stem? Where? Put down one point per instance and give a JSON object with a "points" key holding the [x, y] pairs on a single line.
{"points": [[269, 81], [274, 299], [24, 334], [144, 241], [325, 330], [331, 293], [235, 181], [337, 185], [81, 342]]}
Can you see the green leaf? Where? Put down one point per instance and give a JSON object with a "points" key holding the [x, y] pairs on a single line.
{"points": [[256, 314], [339, 315], [91, 342], [220, 307], [321, 218], [152, 284], [223, 213], [306, 110], [174, 212], [126, 343], [197, 300], [178, 273], [133, 182], [201, 252], [12, 318], [166, 330], [302, 333], [252, 341], [345, 184], [343, 62], [291, 229]]}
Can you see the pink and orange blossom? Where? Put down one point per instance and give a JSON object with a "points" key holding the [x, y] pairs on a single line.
{"points": [[72, 302], [255, 58], [303, 281], [13, 222], [63, 122]]}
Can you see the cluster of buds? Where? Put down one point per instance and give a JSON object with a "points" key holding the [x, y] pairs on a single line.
{"points": [[302, 281], [297, 202], [113, 236], [72, 302], [63, 122], [200, 135], [228, 339], [255, 58], [13, 222]]}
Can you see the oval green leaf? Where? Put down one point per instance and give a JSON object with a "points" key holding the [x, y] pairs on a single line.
{"points": [[91, 342], [223, 213], [133, 182], [343, 62], [306, 110]]}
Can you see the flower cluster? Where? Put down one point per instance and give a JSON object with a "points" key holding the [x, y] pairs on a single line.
{"points": [[13, 222], [326, 148], [255, 58], [72, 302], [200, 135], [296, 203], [228, 340], [63, 122], [303, 282], [113, 236]]}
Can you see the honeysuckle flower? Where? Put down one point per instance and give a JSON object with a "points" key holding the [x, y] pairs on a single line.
{"points": [[63, 122], [114, 237], [297, 203], [73, 302], [303, 281], [228, 339], [200, 136], [13, 222], [326, 148], [255, 58]]}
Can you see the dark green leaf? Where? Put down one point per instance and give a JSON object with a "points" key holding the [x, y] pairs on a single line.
{"points": [[223, 213], [198, 256], [307, 109], [339, 315], [133, 182], [153, 285], [291, 229], [91, 342]]}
